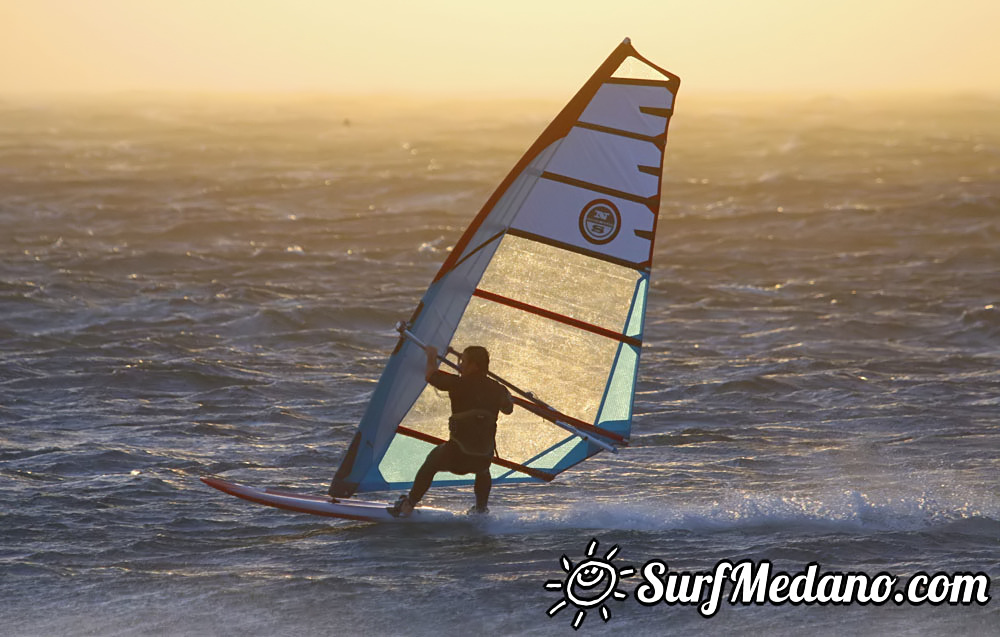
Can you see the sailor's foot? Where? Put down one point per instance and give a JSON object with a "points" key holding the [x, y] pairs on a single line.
{"points": [[403, 507], [478, 510]]}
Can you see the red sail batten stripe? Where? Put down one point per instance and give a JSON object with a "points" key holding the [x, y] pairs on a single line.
{"points": [[555, 316], [507, 464], [550, 415]]}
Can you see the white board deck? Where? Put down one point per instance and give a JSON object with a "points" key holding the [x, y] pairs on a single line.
{"points": [[325, 505]]}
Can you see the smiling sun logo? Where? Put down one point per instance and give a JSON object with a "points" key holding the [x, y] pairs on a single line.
{"points": [[589, 584]]}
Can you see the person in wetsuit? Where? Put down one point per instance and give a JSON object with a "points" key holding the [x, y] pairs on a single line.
{"points": [[476, 402]]}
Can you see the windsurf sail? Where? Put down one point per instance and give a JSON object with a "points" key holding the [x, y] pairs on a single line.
{"points": [[551, 277]]}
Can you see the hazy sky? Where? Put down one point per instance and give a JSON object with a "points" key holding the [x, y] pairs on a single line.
{"points": [[519, 48]]}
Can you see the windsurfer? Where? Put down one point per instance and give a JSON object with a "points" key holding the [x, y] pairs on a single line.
{"points": [[476, 402]]}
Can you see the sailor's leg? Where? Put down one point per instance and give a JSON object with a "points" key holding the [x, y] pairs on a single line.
{"points": [[433, 464], [482, 489]]}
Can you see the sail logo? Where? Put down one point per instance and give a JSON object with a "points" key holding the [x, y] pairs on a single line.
{"points": [[600, 221], [589, 584]]}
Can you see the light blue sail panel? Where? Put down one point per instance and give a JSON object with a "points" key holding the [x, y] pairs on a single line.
{"points": [[616, 407], [551, 277], [572, 451]]}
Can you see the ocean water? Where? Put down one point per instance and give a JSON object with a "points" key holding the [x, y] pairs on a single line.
{"points": [[194, 286]]}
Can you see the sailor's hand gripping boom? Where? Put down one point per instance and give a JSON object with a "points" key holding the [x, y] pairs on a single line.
{"points": [[599, 437]]}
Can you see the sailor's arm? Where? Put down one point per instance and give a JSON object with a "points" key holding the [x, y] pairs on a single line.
{"points": [[507, 405]]}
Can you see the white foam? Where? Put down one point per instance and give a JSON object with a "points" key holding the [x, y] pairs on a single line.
{"points": [[849, 511]]}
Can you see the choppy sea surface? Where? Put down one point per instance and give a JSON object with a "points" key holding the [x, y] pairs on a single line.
{"points": [[194, 286]]}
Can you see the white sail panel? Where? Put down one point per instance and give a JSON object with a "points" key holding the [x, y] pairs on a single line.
{"points": [[630, 108], [608, 160], [561, 212]]}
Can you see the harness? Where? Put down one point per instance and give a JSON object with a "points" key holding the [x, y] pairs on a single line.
{"points": [[474, 431]]}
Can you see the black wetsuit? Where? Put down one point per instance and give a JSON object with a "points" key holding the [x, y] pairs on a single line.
{"points": [[476, 402]]}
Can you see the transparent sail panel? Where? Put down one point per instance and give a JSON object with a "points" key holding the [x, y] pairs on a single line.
{"points": [[564, 366], [430, 413], [636, 69], [564, 282]]}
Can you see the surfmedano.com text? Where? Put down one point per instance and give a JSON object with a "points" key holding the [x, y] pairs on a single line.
{"points": [[757, 583]]}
